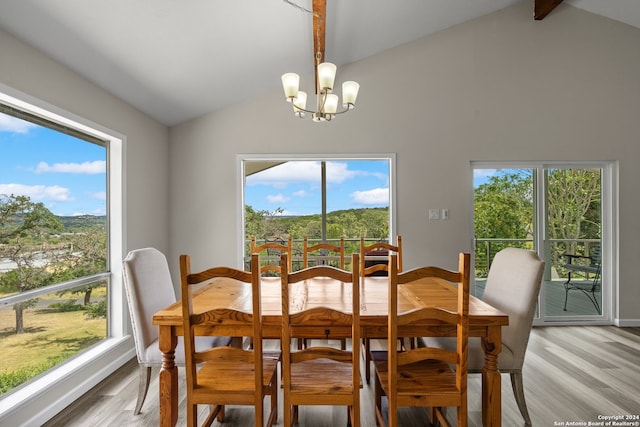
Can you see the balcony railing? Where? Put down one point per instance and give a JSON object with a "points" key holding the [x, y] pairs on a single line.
{"points": [[273, 256], [484, 252]]}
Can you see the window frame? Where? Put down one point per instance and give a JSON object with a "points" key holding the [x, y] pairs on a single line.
{"points": [[41, 398], [240, 181]]}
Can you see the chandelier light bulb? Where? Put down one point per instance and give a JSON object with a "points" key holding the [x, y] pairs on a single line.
{"points": [[349, 94], [326, 75], [300, 103], [290, 83]]}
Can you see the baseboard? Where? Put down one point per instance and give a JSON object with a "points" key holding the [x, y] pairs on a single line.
{"points": [[627, 323]]}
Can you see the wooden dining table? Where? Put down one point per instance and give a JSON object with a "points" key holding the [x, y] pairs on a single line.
{"points": [[484, 321]]}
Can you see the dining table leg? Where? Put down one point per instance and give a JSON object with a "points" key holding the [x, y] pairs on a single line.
{"points": [[168, 379], [491, 381]]}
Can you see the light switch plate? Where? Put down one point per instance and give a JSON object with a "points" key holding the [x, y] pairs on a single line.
{"points": [[434, 214]]}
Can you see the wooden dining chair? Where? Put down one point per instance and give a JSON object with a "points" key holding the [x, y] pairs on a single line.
{"points": [[380, 247], [320, 375], [425, 376], [377, 268], [269, 248], [227, 375], [323, 249]]}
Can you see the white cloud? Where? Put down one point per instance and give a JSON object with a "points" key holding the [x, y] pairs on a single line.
{"points": [[278, 198], [13, 124], [301, 171], [376, 196], [338, 172], [38, 192], [301, 193], [87, 168]]}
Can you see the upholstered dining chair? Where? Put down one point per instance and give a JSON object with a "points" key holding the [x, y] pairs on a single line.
{"points": [[513, 284], [148, 285]]}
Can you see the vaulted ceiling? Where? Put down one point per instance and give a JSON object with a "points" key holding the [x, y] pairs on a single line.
{"points": [[177, 60]]}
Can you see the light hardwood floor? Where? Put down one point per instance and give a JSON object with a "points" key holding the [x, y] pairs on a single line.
{"points": [[571, 374]]}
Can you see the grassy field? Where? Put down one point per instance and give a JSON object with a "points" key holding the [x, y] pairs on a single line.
{"points": [[46, 337]]}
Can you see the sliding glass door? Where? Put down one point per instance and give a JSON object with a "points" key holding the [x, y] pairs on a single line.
{"points": [[561, 211]]}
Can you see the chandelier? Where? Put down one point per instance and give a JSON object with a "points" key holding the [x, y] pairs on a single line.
{"points": [[325, 74]]}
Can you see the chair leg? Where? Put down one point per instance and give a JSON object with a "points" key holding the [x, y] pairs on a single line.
{"points": [[143, 386], [366, 353], [192, 415], [566, 296], [518, 392]]}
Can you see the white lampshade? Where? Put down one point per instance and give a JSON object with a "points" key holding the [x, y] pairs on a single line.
{"points": [[349, 93], [331, 104], [300, 103], [290, 83], [326, 75]]}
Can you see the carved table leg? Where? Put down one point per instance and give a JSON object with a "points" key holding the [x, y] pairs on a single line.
{"points": [[491, 381], [168, 377]]}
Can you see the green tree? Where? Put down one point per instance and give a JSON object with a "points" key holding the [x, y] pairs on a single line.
{"points": [[503, 209], [87, 256], [23, 228], [263, 224], [574, 203]]}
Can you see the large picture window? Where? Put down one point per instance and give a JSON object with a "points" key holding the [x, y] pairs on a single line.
{"points": [[55, 281], [322, 198]]}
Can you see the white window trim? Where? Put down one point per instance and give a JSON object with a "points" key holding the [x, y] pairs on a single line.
{"points": [[241, 158], [41, 399], [610, 236]]}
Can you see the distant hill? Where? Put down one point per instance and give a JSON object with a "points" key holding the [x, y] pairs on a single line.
{"points": [[80, 222]]}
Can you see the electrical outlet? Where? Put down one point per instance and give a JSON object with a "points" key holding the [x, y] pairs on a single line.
{"points": [[444, 214], [434, 214]]}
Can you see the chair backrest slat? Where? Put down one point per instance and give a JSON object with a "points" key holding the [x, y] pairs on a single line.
{"points": [[381, 247], [320, 247], [268, 247]]}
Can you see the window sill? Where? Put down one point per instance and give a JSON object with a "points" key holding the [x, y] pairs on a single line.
{"points": [[45, 396]]}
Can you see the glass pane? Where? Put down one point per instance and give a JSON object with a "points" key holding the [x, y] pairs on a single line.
{"points": [[54, 328], [285, 199], [53, 229], [503, 215], [574, 241], [52, 206]]}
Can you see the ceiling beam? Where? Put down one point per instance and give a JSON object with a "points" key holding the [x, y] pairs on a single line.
{"points": [[542, 8], [319, 28]]}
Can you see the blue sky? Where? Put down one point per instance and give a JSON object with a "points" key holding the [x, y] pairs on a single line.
{"points": [[67, 174], [295, 186], [481, 176]]}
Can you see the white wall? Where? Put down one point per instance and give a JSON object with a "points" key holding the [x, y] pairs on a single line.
{"points": [[501, 87]]}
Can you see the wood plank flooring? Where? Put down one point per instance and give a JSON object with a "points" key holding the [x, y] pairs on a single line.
{"points": [[571, 374]]}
